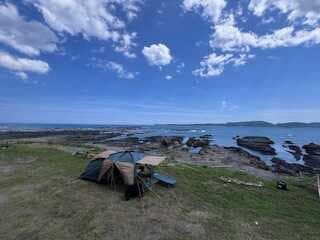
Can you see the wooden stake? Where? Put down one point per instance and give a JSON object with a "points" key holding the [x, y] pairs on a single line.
{"points": [[318, 177]]}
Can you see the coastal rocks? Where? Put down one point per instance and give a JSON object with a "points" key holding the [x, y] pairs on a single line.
{"points": [[312, 160], [253, 160], [94, 138], [198, 142], [124, 142], [312, 148], [312, 157], [293, 169], [165, 141], [258, 144], [294, 149]]}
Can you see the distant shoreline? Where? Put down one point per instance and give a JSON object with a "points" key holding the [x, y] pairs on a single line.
{"points": [[254, 124], [228, 124]]}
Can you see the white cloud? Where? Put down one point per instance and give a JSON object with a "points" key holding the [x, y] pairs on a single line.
{"points": [[22, 75], [130, 7], [23, 64], [168, 77], [125, 44], [28, 37], [211, 9], [233, 45], [114, 67], [213, 65], [119, 69], [157, 54], [307, 10], [91, 19], [229, 37]]}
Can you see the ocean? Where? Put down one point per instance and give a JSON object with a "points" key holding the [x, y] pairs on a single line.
{"points": [[221, 135]]}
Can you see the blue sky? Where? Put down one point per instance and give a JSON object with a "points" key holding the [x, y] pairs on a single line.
{"points": [[139, 61]]}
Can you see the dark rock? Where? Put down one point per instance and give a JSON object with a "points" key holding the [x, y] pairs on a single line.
{"points": [[287, 142], [295, 150], [312, 160], [124, 142], [206, 136], [165, 141], [197, 142], [259, 144], [312, 148], [253, 160], [293, 169]]}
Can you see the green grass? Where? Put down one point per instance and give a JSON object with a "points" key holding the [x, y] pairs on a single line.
{"points": [[292, 214], [40, 199]]}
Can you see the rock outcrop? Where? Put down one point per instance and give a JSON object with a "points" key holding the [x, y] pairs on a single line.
{"points": [[312, 157], [294, 149], [253, 160], [198, 142], [293, 169], [165, 141], [258, 144]]}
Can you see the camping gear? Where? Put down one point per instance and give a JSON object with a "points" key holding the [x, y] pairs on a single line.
{"points": [[282, 185], [133, 169], [164, 179]]}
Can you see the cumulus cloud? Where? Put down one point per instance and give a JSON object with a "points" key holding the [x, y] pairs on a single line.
{"points": [[211, 9], [168, 77], [28, 37], [91, 19], [22, 65], [157, 54], [307, 10], [233, 45], [228, 37]]}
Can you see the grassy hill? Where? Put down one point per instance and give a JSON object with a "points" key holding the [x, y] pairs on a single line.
{"points": [[41, 198]]}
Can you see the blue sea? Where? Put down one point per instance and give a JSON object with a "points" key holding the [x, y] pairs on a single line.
{"points": [[221, 135]]}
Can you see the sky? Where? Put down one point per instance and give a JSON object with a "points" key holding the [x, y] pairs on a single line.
{"points": [[157, 61]]}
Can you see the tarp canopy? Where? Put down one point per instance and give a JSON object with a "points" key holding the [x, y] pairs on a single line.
{"points": [[151, 160], [130, 156], [104, 154]]}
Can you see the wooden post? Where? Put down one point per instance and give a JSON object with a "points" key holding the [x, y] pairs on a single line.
{"points": [[318, 177]]}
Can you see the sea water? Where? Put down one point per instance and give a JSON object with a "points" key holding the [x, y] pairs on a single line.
{"points": [[221, 135]]}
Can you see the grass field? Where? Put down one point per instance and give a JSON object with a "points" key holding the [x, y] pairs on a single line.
{"points": [[41, 198]]}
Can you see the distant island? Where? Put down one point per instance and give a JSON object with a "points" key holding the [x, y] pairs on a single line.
{"points": [[257, 124]]}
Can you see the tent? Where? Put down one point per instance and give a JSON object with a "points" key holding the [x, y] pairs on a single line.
{"points": [[133, 169]]}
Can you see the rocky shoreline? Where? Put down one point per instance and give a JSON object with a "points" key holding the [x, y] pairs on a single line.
{"points": [[194, 150]]}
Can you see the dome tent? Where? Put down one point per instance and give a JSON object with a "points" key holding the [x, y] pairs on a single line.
{"points": [[130, 167]]}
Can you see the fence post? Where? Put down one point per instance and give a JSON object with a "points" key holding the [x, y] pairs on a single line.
{"points": [[318, 179]]}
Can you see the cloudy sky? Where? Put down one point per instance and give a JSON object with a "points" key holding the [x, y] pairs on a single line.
{"points": [[153, 61]]}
